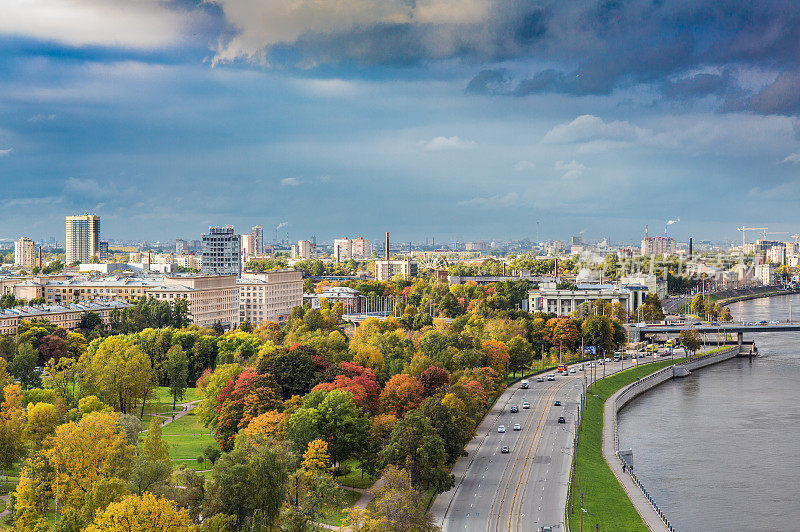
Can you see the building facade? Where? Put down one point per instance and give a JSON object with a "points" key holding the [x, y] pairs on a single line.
{"points": [[658, 245], [304, 250], [25, 252], [269, 296], [562, 302], [386, 269], [221, 251], [361, 249], [82, 238], [258, 240], [765, 274], [342, 249], [65, 316]]}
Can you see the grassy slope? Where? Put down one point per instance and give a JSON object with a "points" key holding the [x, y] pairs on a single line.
{"points": [[602, 494]]}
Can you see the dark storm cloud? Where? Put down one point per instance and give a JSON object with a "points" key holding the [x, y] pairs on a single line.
{"points": [[591, 47]]}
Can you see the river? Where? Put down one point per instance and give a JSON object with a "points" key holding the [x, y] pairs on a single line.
{"points": [[720, 449]]}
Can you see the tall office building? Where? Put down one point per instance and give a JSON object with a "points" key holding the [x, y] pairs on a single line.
{"points": [[25, 252], [258, 236], [221, 249], [83, 237]]}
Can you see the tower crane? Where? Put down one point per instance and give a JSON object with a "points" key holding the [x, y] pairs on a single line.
{"points": [[765, 233], [743, 229]]}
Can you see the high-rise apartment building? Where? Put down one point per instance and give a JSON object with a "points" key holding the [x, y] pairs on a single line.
{"points": [[342, 249], [362, 249], [83, 237], [25, 252], [221, 249], [658, 245], [304, 250], [181, 246], [258, 236], [102, 251]]}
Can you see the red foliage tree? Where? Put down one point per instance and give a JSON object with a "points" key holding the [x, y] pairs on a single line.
{"points": [[433, 379], [402, 394]]}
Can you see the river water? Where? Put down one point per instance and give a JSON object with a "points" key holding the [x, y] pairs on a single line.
{"points": [[720, 449]]}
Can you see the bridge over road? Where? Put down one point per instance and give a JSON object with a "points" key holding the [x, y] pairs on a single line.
{"points": [[713, 328]]}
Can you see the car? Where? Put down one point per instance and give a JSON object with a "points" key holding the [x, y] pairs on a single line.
{"points": [[591, 365], [526, 405], [616, 359], [633, 360], [773, 322], [540, 379], [607, 360], [504, 449], [580, 368], [762, 322], [517, 426], [514, 409], [572, 370], [501, 428], [545, 529], [557, 403], [599, 363], [524, 384], [551, 377], [564, 373], [562, 420]]}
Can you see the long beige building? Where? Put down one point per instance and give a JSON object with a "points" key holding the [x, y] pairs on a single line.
{"points": [[65, 316], [269, 296]]}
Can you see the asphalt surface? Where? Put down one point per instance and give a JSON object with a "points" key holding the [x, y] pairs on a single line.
{"points": [[526, 488]]}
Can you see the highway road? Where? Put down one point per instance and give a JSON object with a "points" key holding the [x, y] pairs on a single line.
{"points": [[526, 488]]}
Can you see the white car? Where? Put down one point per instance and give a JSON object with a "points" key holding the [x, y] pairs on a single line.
{"points": [[551, 377], [517, 426], [501, 428], [540, 379], [525, 405], [572, 370]]}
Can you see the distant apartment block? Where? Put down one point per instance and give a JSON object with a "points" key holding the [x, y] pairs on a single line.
{"points": [[258, 240], [342, 249], [82, 238], [765, 274], [362, 249], [304, 250], [25, 252], [386, 269], [181, 247], [221, 251], [658, 245], [269, 296], [65, 316], [102, 252]]}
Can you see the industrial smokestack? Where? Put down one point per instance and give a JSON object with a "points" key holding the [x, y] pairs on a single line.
{"points": [[690, 247], [387, 245]]}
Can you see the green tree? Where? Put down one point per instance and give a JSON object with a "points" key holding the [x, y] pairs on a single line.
{"points": [[415, 443], [177, 373], [90, 322], [251, 482], [154, 447], [23, 367], [597, 331], [690, 340], [520, 354]]}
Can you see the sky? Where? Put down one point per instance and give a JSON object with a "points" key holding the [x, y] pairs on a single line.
{"points": [[446, 119]]}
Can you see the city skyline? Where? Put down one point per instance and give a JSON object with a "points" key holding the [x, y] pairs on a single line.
{"points": [[173, 117]]}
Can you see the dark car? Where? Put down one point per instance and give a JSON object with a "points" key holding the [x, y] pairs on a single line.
{"points": [[557, 403], [514, 409], [504, 449], [562, 420]]}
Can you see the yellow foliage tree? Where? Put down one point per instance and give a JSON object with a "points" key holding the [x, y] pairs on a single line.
{"points": [[154, 447], [316, 458], [272, 424], [144, 513], [86, 451], [42, 420]]}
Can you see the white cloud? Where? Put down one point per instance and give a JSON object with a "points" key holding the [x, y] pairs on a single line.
{"points": [[524, 166], [448, 143], [264, 23], [290, 182], [793, 158], [41, 118], [505, 200], [571, 170], [6, 151], [595, 134], [324, 178], [140, 24]]}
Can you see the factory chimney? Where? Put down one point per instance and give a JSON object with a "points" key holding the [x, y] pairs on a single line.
{"points": [[387, 245]]}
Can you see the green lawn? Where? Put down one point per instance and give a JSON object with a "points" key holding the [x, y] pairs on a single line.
{"points": [[335, 515], [355, 478], [602, 494], [187, 438], [161, 402]]}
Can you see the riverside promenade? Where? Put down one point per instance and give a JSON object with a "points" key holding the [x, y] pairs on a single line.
{"points": [[647, 508]]}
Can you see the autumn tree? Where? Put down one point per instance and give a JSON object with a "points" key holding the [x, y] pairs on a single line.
{"points": [[42, 421], [86, 451], [433, 379], [401, 394], [140, 513], [118, 372], [690, 340], [520, 354], [154, 447]]}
